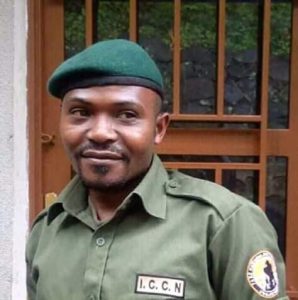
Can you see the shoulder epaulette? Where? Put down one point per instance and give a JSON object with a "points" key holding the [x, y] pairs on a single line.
{"points": [[51, 213], [220, 198], [39, 217]]}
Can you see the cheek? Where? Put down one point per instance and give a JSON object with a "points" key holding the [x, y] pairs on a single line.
{"points": [[140, 140], [70, 136]]}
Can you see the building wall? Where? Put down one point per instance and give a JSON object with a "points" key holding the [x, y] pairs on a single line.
{"points": [[13, 149]]}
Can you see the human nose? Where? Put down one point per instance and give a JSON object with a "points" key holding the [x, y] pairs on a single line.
{"points": [[102, 130]]}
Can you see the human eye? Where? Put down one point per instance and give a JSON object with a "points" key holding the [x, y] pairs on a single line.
{"points": [[127, 115], [79, 112]]}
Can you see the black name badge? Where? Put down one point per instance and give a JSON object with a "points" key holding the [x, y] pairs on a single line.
{"points": [[160, 285]]}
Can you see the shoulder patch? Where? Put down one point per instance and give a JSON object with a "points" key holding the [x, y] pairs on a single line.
{"points": [[262, 275], [220, 198]]}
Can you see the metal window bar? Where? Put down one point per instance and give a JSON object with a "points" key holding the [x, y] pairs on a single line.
{"points": [[133, 20], [221, 33], [264, 101], [90, 21], [217, 167], [213, 165], [292, 191], [176, 44]]}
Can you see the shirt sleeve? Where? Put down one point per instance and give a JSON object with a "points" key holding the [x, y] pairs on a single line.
{"points": [[245, 260], [31, 246], [31, 284]]}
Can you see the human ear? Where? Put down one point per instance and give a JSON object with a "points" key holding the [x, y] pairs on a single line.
{"points": [[162, 123]]}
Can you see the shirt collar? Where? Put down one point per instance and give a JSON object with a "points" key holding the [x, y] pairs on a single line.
{"points": [[151, 190], [73, 200]]}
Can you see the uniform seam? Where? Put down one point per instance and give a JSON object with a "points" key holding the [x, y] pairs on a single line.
{"points": [[225, 221]]}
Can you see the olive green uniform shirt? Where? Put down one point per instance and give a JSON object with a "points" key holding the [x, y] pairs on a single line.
{"points": [[173, 237]]}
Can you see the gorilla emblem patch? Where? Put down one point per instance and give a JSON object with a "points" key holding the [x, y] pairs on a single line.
{"points": [[262, 274]]}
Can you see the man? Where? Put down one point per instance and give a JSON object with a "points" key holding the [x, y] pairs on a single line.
{"points": [[125, 228]]}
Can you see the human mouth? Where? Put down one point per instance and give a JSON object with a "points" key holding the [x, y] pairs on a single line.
{"points": [[101, 155]]}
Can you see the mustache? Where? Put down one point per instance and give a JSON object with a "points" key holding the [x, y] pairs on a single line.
{"points": [[101, 147]]}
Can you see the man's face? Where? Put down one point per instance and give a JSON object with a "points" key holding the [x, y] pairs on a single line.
{"points": [[109, 133]]}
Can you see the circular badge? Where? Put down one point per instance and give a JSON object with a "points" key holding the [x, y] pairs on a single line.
{"points": [[262, 274]]}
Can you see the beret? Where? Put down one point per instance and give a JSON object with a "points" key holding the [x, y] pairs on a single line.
{"points": [[110, 62]]}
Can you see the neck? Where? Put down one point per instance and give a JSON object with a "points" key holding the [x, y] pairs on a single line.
{"points": [[106, 204]]}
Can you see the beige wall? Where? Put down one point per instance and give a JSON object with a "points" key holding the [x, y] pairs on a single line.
{"points": [[13, 149]]}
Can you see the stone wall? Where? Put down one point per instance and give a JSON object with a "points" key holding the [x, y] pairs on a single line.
{"points": [[242, 81]]}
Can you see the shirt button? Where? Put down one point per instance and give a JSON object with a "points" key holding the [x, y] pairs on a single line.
{"points": [[91, 297], [100, 242], [173, 184]]}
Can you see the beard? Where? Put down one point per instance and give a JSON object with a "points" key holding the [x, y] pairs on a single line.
{"points": [[99, 180], [109, 186]]}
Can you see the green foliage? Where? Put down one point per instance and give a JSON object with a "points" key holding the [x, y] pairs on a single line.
{"points": [[74, 23], [280, 28], [156, 20], [112, 19], [242, 26], [198, 23]]}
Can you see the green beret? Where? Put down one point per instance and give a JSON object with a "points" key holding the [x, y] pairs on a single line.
{"points": [[111, 62]]}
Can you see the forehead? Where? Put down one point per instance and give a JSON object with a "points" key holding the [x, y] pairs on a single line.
{"points": [[112, 94]]}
